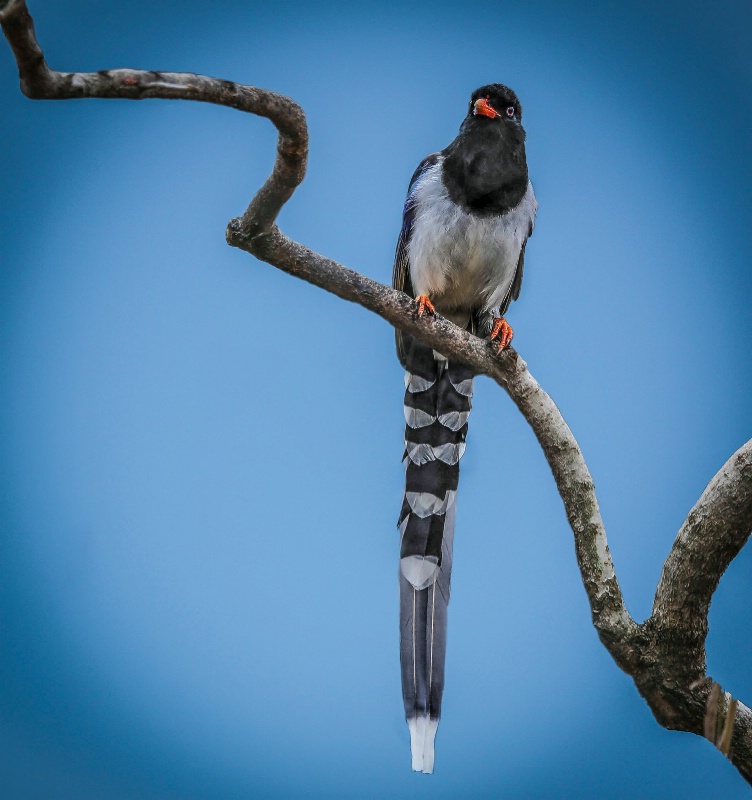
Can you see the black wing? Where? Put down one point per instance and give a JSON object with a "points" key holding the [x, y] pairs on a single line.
{"points": [[401, 272], [517, 282], [514, 289]]}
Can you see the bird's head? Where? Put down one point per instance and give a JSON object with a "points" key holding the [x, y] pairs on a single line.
{"points": [[484, 168], [495, 102]]}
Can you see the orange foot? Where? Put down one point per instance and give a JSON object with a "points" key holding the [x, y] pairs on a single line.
{"points": [[502, 331], [425, 306]]}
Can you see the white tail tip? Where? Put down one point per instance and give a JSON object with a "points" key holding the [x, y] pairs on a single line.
{"points": [[422, 735]]}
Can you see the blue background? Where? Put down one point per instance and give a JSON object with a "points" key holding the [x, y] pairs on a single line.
{"points": [[201, 456]]}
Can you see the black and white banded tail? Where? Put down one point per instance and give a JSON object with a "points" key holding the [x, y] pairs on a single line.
{"points": [[437, 405]]}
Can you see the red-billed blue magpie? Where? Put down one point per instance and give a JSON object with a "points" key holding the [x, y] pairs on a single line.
{"points": [[469, 212]]}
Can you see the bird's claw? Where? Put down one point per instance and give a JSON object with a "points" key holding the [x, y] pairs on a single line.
{"points": [[425, 306], [502, 331]]}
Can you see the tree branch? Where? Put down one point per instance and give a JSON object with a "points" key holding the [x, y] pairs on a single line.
{"points": [[714, 532], [39, 82], [664, 655]]}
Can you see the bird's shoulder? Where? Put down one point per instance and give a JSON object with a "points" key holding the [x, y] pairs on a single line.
{"points": [[426, 165]]}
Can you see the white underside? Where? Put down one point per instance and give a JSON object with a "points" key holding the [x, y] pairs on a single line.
{"points": [[459, 259], [422, 735]]}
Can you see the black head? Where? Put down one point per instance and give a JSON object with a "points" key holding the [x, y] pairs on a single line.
{"points": [[484, 168], [495, 102]]}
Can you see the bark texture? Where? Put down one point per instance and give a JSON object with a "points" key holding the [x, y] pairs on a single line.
{"points": [[665, 655]]}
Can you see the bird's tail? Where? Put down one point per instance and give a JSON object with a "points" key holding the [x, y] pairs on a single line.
{"points": [[437, 405]]}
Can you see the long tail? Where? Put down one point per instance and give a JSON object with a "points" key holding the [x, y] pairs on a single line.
{"points": [[437, 405]]}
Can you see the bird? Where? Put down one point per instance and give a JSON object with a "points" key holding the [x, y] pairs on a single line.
{"points": [[469, 212]]}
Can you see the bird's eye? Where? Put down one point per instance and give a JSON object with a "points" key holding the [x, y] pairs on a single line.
{"points": [[510, 111]]}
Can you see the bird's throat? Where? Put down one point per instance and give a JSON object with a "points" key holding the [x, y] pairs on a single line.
{"points": [[485, 169]]}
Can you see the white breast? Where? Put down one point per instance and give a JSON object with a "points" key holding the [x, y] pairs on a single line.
{"points": [[460, 261]]}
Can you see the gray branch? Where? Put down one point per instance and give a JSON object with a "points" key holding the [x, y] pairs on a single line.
{"points": [[665, 655], [715, 530]]}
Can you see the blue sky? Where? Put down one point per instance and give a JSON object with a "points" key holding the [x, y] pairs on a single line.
{"points": [[201, 456]]}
